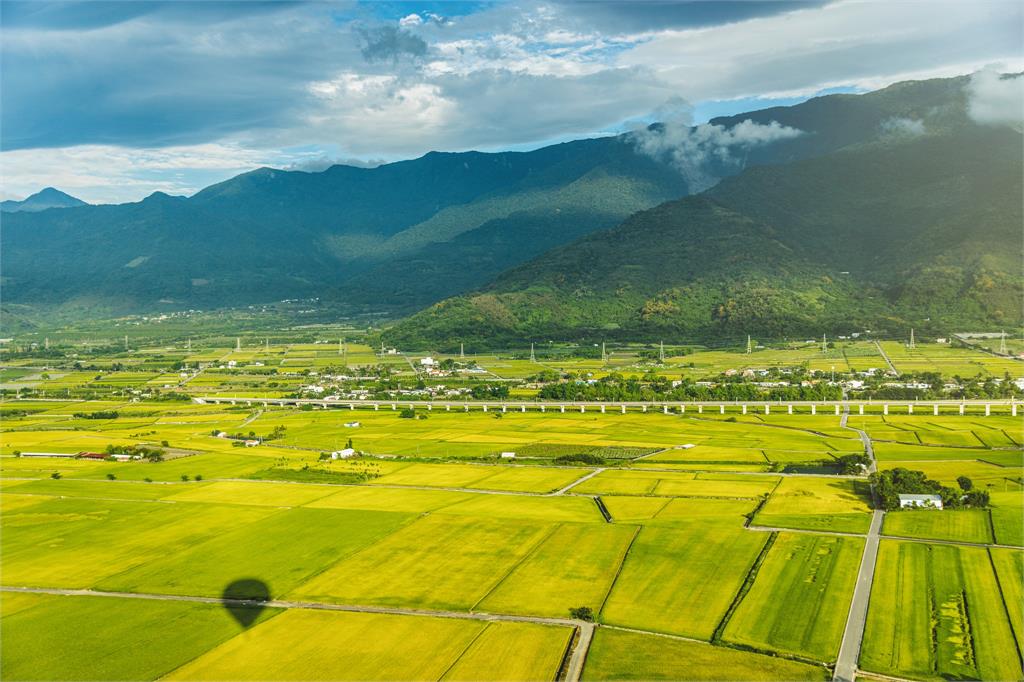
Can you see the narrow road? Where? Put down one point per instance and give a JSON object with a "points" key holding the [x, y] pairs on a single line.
{"points": [[892, 367], [316, 606], [575, 483], [853, 635], [579, 653]]}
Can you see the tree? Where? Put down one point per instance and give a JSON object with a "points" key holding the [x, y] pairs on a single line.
{"points": [[407, 413], [184, 477], [55, 475], [582, 613], [111, 477], [965, 483], [199, 477]]}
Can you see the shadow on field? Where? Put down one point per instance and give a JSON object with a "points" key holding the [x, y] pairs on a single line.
{"points": [[248, 596]]}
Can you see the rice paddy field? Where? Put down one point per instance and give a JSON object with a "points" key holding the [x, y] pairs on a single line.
{"points": [[716, 561]]}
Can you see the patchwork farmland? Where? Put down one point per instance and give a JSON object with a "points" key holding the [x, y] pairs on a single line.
{"points": [[715, 544]]}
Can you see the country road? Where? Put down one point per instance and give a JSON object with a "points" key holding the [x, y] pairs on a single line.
{"points": [[856, 620]]}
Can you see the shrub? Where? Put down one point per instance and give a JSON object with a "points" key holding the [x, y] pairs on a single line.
{"points": [[55, 475], [111, 477], [582, 613]]}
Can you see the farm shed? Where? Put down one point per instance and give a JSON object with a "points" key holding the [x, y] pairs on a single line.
{"points": [[92, 455], [928, 501], [66, 455], [508, 455], [343, 454]]}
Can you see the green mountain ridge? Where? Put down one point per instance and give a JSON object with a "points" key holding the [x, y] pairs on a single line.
{"points": [[921, 230]]}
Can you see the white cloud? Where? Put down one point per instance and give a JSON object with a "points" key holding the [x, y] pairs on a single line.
{"points": [[410, 20], [700, 153], [910, 127], [995, 99]]}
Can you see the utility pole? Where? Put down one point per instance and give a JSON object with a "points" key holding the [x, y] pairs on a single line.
{"points": [[46, 343], [824, 344], [238, 343], [604, 357], [126, 342], [188, 345], [462, 351]]}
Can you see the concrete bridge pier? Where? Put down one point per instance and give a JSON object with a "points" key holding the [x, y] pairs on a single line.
{"points": [[376, 407], [682, 409], [885, 409], [988, 410], [814, 409], [504, 408], [744, 409], [485, 408], [542, 409], [767, 409], [860, 409], [910, 408], [1013, 409], [563, 409], [837, 410], [430, 408], [789, 409], [583, 408], [623, 409], [644, 408], [522, 408], [602, 409], [447, 408], [351, 406], [935, 410], [467, 408], [721, 409], [393, 407], [664, 409], [962, 407]]}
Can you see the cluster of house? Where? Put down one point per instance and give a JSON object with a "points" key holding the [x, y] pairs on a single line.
{"points": [[920, 501]]}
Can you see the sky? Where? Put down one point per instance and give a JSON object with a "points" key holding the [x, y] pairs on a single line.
{"points": [[111, 101]]}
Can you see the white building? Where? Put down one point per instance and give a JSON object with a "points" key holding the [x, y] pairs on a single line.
{"points": [[927, 501], [508, 455], [352, 425], [343, 454], [427, 362]]}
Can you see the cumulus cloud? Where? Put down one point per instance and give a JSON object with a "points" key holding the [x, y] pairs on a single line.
{"points": [[701, 153], [996, 99], [908, 127]]}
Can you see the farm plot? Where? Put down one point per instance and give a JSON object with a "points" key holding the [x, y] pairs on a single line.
{"points": [[440, 561], [664, 484], [1009, 566], [574, 567], [93, 634], [1008, 518], [623, 655], [682, 580], [304, 645], [658, 511], [813, 576], [255, 493], [390, 499], [818, 504], [964, 525], [282, 551], [937, 611], [78, 542]]}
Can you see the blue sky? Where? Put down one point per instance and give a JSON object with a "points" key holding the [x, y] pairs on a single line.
{"points": [[111, 101]]}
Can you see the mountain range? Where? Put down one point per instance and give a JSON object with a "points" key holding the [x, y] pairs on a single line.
{"points": [[887, 209], [47, 197]]}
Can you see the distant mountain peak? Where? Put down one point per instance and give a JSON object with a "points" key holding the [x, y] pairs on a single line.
{"points": [[48, 197]]}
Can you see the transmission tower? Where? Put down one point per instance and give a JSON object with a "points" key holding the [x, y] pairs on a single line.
{"points": [[912, 345], [1002, 343], [462, 351], [533, 356], [238, 343], [824, 344], [661, 352], [604, 356], [750, 346]]}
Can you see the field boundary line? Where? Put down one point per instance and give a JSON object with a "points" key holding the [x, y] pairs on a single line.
{"points": [[956, 543], [618, 571], [462, 653], [517, 564], [748, 582], [805, 531]]}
